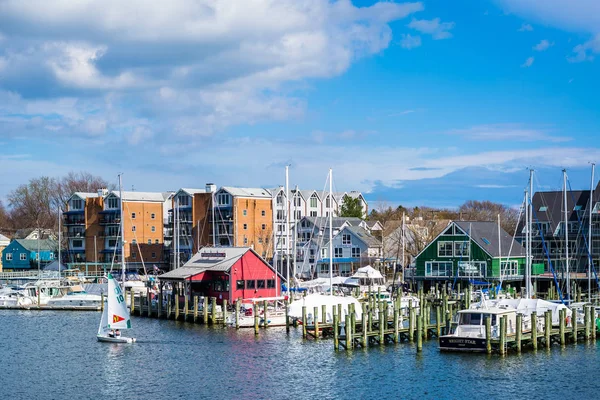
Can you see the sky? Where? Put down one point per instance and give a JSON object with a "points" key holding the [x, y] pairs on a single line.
{"points": [[416, 103]]}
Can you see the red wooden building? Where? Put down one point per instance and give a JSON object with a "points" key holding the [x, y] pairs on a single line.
{"points": [[226, 273]]}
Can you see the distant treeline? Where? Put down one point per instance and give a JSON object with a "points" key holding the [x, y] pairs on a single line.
{"points": [[36, 204]]}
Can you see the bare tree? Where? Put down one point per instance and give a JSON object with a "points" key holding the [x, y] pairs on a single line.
{"points": [[76, 182], [474, 210], [6, 222], [30, 203]]}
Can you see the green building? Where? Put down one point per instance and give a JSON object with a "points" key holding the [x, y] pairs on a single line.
{"points": [[471, 250]]}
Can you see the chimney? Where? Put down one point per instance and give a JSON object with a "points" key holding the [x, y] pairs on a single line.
{"points": [[211, 188]]}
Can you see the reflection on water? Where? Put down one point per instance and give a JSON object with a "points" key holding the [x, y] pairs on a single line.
{"points": [[56, 355]]}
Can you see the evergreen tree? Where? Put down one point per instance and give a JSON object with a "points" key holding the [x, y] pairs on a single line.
{"points": [[351, 207]]}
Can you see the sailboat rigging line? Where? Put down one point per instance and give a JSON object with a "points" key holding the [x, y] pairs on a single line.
{"points": [[545, 203], [321, 237], [137, 242], [461, 253], [112, 261], [511, 245], [548, 257], [583, 234]]}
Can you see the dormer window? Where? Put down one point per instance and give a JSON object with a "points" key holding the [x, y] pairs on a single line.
{"points": [[77, 204]]}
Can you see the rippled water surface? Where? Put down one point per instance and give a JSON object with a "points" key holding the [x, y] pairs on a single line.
{"points": [[55, 355]]}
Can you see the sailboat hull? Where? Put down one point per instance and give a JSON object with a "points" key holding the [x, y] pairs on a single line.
{"points": [[109, 339]]}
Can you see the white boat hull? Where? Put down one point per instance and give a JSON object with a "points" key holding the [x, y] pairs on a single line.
{"points": [[110, 339], [248, 322]]}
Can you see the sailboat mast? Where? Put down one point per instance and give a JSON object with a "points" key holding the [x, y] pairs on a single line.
{"points": [[530, 232], [295, 234], [121, 226], [527, 245], [591, 206], [499, 250], [59, 243], [403, 242], [287, 225], [566, 222], [330, 232]]}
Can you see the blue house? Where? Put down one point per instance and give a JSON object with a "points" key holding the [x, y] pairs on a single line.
{"points": [[22, 254]]}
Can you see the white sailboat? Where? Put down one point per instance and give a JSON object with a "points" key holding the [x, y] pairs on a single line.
{"points": [[115, 315], [319, 300]]}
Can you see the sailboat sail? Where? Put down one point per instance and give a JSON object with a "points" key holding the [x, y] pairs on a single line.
{"points": [[103, 328], [117, 314]]}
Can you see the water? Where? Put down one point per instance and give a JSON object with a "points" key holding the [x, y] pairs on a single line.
{"points": [[55, 355]]}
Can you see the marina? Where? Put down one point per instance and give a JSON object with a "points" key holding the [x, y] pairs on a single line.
{"points": [[274, 364]]}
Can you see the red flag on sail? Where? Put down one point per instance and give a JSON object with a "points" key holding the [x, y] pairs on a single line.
{"points": [[116, 319]]}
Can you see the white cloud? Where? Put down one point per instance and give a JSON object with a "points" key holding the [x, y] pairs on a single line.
{"points": [[586, 51], [528, 62], [410, 42], [525, 28], [508, 132], [575, 16], [196, 67], [543, 45], [435, 28], [581, 16]]}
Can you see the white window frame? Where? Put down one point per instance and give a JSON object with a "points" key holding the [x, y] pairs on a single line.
{"points": [[8, 256], [338, 252], [152, 216], [444, 242], [356, 252], [23, 256], [153, 228], [346, 238], [313, 201], [462, 248], [132, 215], [112, 203], [244, 212], [447, 268], [512, 270], [479, 266]]}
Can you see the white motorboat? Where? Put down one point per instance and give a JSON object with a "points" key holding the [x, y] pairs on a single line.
{"points": [[75, 296], [275, 312], [469, 334], [331, 305]]}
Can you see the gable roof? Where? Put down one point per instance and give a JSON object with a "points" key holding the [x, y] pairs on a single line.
{"points": [[4, 240], [363, 235], [202, 262], [247, 192], [84, 195], [485, 234], [549, 207], [142, 196], [336, 222], [308, 193], [191, 192], [32, 244]]}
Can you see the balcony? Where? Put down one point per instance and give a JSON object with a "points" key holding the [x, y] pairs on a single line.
{"points": [[109, 221], [71, 221], [76, 235]]}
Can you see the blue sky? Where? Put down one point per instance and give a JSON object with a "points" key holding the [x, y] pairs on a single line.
{"points": [[421, 103]]}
